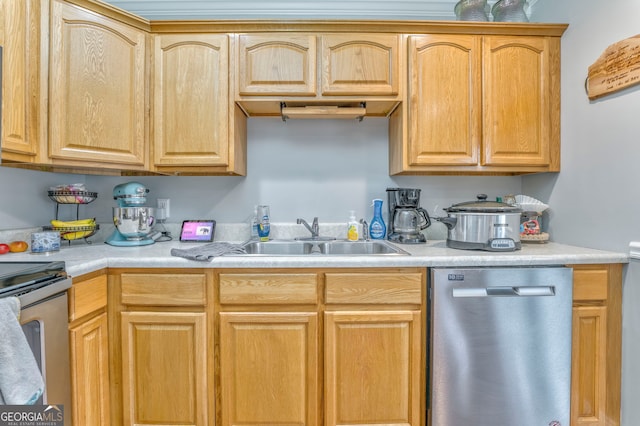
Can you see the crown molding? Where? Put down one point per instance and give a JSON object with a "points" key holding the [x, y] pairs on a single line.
{"points": [[291, 9]]}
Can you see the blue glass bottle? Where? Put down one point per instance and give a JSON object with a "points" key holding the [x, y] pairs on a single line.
{"points": [[377, 228]]}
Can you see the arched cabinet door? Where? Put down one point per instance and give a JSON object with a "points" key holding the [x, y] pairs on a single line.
{"points": [[97, 106], [274, 64], [191, 100]]}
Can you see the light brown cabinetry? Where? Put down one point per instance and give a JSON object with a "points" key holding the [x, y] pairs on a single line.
{"points": [[88, 336], [269, 348], [196, 126], [596, 345], [98, 105], [318, 69], [24, 80], [479, 104], [271, 345], [374, 364], [162, 347]]}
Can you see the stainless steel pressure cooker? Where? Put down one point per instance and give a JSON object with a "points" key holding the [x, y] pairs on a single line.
{"points": [[483, 225]]}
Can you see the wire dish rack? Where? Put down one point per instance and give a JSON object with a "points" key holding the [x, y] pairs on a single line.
{"points": [[71, 197]]}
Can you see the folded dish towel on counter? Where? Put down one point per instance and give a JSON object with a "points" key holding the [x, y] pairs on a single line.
{"points": [[21, 382], [208, 251]]}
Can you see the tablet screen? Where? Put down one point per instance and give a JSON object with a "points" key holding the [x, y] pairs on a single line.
{"points": [[198, 230]]}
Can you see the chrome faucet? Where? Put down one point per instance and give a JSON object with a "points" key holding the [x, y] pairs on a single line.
{"points": [[314, 228], [365, 229]]}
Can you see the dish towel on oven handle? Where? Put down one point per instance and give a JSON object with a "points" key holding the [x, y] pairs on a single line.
{"points": [[209, 251], [21, 382]]}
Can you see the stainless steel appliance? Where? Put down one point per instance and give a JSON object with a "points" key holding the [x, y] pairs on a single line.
{"points": [[132, 220], [42, 290], [500, 346], [406, 217], [483, 225]]}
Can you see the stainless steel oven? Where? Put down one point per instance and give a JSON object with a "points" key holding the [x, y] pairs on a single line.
{"points": [[42, 288]]}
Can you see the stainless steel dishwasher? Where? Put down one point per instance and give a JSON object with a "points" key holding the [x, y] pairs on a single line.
{"points": [[500, 346]]}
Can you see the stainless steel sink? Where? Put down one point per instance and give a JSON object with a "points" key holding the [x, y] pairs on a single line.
{"points": [[328, 248]]}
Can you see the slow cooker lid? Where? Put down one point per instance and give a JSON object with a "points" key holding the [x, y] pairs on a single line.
{"points": [[482, 205]]}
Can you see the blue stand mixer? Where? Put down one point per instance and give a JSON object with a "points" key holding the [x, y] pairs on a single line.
{"points": [[132, 220]]}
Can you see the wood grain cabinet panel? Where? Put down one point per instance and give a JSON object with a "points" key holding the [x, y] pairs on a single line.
{"points": [[517, 101], [89, 354], [363, 64], [596, 345], [269, 368], [97, 108], [23, 80], [89, 343], [479, 104], [191, 100], [272, 65], [164, 373], [372, 368], [445, 97]]}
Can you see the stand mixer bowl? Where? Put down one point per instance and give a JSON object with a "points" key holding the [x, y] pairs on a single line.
{"points": [[134, 223]]}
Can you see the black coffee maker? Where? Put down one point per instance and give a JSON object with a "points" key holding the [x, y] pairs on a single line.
{"points": [[406, 217]]}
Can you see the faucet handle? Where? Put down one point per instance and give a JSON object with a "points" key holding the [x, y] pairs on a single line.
{"points": [[365, 229]]}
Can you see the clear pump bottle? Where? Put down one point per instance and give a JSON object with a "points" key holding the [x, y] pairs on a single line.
{"points": [[352, 227]]}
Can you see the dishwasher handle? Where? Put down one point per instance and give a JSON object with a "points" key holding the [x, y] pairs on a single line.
{"points": [[520, 291]]}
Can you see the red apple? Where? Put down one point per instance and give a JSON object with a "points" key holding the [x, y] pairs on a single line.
{"points": [[4, 248]]}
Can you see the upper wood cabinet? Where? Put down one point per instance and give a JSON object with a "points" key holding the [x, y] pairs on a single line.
{"points": [[97, 106], [277, 65], [360, 64], [318, 69], [193, 116], [24, 83], [479, 104]]}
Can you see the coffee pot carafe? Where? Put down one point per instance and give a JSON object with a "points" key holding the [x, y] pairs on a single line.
{"points": [[406, 217]]}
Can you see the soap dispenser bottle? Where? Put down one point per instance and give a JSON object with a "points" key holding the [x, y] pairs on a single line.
{"points": [[352, 227], [377, 228]]}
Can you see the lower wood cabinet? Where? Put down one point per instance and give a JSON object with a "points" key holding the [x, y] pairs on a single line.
{"points": [[372, 368], [269, 368], [89, 343], [162, 347], [596, 345], [314, 347], [310, 347]]}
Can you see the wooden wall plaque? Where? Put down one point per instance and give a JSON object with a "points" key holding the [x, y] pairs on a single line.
{"points": [[617, 68]]}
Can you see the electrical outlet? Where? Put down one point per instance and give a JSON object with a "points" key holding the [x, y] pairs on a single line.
{"points": [[164, 204]]}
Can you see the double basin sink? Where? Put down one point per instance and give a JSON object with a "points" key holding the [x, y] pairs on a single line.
{"points": [[319, 247]]}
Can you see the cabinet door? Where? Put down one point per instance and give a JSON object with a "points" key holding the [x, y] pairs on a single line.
{"points": [[272, 65], [191, 100], [517, 105], [269, 368], [97, 96], [372, 368], [589, 366], [444, 100], [596, 345], [90, 373], [164, 374], [21, 79], [366, 64]]}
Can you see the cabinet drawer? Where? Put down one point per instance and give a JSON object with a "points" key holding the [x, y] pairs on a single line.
{"points": [[164, 289], [384, 288], [87, 296], [590, 283], [268, 288]]}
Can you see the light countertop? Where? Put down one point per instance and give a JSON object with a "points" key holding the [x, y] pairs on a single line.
{"points": [[82, 258]]}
